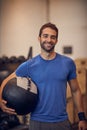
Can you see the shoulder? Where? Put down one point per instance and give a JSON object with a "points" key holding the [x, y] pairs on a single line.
{"points": [[28, 63], [63, 57], [33, 60], [65, 60]]}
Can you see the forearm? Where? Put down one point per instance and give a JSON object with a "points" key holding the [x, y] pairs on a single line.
{"points": [[13, 75], [78, 100], [77, 96], [3, 103]]}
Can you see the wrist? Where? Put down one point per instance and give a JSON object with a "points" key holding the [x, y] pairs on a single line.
{"points": [[81, 116]]}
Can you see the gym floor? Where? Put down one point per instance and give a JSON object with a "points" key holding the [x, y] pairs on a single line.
{"points": [[26, 127]]}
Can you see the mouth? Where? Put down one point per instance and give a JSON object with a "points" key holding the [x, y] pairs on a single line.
{"points": [[49, 44]]}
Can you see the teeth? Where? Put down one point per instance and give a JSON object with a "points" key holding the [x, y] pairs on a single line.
{"points": [[50, 43]]}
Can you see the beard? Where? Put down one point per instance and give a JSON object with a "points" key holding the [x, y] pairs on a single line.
{"points": [[45, 48]]}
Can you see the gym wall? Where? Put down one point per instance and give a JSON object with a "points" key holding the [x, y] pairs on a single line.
{"points": [[20, 21]]}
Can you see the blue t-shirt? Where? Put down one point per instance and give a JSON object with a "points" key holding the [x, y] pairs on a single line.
{"points": [[51, 78]]}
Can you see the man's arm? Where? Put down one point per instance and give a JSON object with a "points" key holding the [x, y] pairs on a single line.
{"points": [[78, 101], [3, 106]]}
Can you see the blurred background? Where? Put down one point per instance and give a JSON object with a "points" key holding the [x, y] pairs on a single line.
{"points": [[20, 21]]}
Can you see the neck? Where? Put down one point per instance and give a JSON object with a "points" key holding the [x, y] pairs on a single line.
{"points": [[48, 56]]}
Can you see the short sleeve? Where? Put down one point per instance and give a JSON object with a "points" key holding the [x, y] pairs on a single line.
{"points": [[72, 70], [22, 70]]}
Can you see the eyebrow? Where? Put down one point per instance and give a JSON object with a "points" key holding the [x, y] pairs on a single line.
{"points": [[54, 36]]}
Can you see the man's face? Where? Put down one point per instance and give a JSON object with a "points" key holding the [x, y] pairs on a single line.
{"points": [[48, 39]]}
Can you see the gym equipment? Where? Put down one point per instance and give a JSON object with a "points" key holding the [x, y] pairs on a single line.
{"points": [[3, 75], [8, 121], [21, 59], [30, 53], [21, 94], [5, 59], [1, 60], [13, 59]]}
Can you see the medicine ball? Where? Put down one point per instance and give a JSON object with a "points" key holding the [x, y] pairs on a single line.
{"points": [[21, 94]]}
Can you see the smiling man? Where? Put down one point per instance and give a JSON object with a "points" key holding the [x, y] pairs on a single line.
{"points": [[50, 71]]}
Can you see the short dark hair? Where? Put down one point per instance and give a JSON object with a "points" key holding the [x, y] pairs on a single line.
{"points": [[49, 25]]}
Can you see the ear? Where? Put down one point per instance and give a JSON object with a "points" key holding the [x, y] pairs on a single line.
{"points": [[38, 38], [56, 41]]}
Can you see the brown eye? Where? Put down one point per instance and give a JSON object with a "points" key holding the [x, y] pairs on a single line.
{"points": [[45, 35], [53, 37]]}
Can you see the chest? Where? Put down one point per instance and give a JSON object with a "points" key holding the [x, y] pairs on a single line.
{"points": [[49, 71]]}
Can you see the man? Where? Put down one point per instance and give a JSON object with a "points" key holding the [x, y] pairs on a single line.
{"points": [[51, 72]]}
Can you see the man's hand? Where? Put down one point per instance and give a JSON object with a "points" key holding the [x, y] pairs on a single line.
{"points": [[4, 108], [82, 125]]}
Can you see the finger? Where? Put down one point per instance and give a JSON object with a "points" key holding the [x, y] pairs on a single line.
{"points": [[9, 110], [4, 101]]}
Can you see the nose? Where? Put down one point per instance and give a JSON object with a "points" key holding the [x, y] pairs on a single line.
{"points": [[49, 39]]}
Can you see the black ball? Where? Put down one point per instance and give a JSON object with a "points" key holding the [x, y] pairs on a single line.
{"points": [[21, 94]]}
